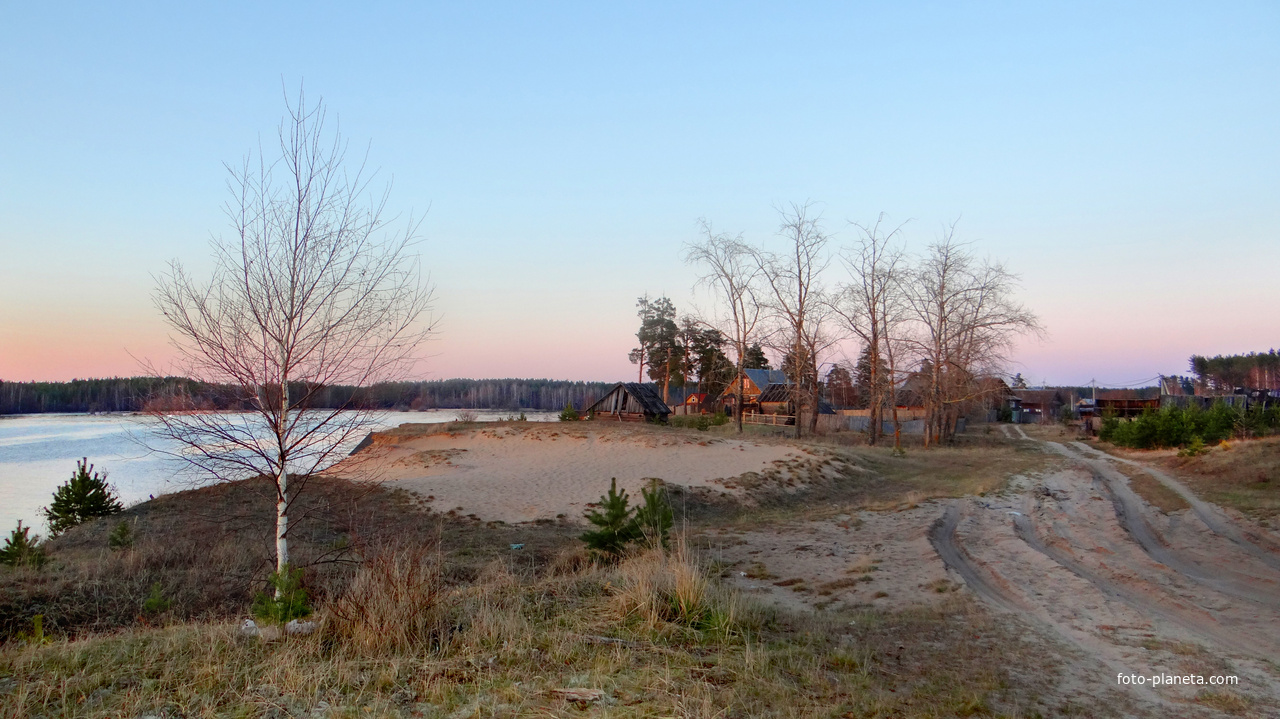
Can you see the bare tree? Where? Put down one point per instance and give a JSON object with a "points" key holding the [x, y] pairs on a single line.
{"points": [[730, 272], [792, 279], [314, 289], [968, 320], [872, 307]]}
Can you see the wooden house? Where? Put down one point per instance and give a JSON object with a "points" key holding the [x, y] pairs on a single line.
{"points": [[754, 383], [630, 402], [1040, 405], [1125, 402], [696, 403]]}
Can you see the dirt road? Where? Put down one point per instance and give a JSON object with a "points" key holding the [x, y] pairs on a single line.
{"points": [[1075, 556]]}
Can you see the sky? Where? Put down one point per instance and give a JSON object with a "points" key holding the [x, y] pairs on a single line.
{"points": [[1122, 159]]}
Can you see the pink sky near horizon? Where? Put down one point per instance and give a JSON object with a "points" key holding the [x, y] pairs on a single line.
{"points": [[53, 344]]}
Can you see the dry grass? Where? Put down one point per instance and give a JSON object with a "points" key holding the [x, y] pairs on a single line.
{"points": [[212, 549], [1243, 474], [1152, 490], [652, 636]]}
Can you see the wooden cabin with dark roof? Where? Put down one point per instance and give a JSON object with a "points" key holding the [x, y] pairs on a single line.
{"points": [[630, 402]]}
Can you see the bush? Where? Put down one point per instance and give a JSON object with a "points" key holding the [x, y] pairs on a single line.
{"points": [[620, 524], [22, 550], [569, 414], [289, 601], [1194, 448], [85, 496]]}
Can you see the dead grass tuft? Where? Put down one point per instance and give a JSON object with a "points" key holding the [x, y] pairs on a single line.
{"points": [[397, 602]]}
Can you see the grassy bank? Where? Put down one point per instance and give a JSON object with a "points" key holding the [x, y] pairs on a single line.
{"points": [[653, 636]]}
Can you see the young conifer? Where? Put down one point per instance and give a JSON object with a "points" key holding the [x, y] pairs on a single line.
{"points": [[85, 496], [616, 524], [22, 549]]}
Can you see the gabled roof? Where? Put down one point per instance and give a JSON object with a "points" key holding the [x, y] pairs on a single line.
{"points": [[643, 393], [765, 377], [776, 393]]}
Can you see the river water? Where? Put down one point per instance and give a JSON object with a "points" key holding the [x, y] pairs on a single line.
{"points": [[38, 452]]}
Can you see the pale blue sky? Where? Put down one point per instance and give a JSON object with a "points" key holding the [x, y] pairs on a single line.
{"points": [[1126, 162]]}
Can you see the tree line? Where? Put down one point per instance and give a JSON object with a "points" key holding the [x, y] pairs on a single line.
{"points": [[1225, 373], [139, 394], [936, 324]]}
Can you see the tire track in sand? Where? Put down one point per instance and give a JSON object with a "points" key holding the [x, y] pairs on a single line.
{"points": [[1128, 509], [1213, 517], [1201, 624]]}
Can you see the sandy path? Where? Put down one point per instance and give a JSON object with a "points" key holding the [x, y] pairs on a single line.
{"points": [[1214, 518], [1217, 575], [1074, 556]]}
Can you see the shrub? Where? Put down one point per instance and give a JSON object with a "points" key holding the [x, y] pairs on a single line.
{"points": [[466, 415], [569, 414], [85, 496], [21, 549], [1194, 448], [617, 526], [287, 602], [121, 537]]}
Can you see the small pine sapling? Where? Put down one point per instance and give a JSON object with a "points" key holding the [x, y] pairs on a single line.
{"points": [[616, 524], [83, 497], [569, 414], [121, 537], [654, 517], [21, 549], [156, 602], [287, 602]]}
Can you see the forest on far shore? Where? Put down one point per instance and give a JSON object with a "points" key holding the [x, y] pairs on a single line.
{"points": [[135, 394]]}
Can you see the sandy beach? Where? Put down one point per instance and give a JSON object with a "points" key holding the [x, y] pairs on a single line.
{"points": [[521, 473]]}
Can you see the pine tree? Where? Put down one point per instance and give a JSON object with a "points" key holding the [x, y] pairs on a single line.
{"points": [[755, 358], [85, 496], [22, 549], [654, 517], [617, 526]]}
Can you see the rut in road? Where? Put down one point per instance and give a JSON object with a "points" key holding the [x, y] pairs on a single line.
{"points": [[942, 535], [1199, 623], [1128, 509], [1212, 516]]}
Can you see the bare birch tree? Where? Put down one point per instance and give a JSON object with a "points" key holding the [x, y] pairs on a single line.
{"points": [[968, 320], [792, 282], [871, 305], [730, 273], [314, 288]]}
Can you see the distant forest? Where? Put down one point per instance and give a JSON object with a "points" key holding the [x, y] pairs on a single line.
{"points": [[133, 394], [1224, 373]]}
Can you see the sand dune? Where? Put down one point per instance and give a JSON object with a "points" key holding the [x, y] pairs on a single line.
{"points": [[520, 473]]}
